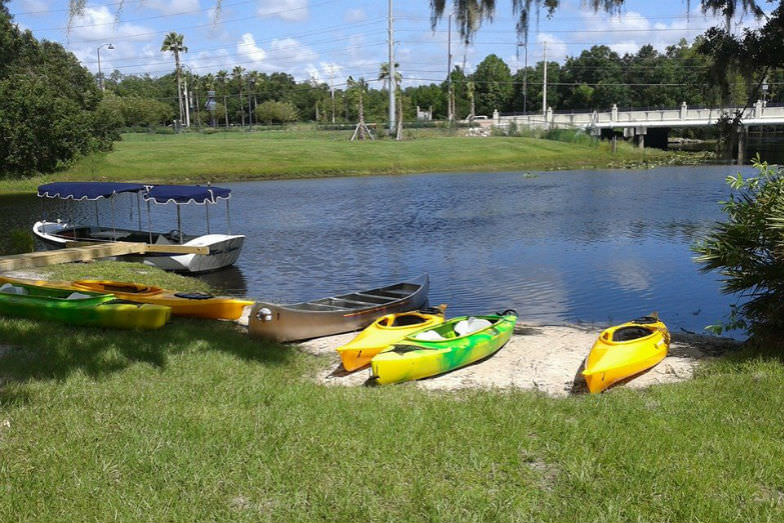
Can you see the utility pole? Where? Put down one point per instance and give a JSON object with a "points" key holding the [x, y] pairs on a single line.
{"points": [[525, 78], [332, 90], [391, 72], [187, 109], [544, 86], [450, 93]]}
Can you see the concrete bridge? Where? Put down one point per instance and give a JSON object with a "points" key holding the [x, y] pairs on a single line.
{"points": [[637, 122]]}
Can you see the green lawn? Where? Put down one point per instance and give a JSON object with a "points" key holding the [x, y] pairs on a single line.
{"points": [[199, 422], [228, 156]]}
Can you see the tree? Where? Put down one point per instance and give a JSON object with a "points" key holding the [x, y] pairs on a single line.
{"points": [[173, 43], [471, 13], [274, 112], [493, 85], [747, 251], [236, 74], [48, 105], [383, 75]]}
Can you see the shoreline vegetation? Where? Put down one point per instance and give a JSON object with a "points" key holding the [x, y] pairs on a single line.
{"points": [[190, 158], [199, 421]]}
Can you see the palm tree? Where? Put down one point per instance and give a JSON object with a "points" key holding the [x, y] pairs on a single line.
{"points": [[358, 86], [173, 43], [222, 76], [236, 74], [383, 74], [471, 13]]}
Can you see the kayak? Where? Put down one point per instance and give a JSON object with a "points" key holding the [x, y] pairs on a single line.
{"points": [[384, 332], [455, 343], [192, 304], [625, 350], [78, 307]]}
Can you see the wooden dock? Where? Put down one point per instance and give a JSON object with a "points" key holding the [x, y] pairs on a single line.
{"points": [[81, 251]]}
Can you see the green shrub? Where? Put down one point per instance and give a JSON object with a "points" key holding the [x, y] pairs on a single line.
{"points": [[748, 251], [271, 112]]}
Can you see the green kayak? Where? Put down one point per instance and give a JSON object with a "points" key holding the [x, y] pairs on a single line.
{"points": [[78, 308], [451, 345]]}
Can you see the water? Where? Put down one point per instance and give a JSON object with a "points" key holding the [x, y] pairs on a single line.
{"points": [[588, 246]]}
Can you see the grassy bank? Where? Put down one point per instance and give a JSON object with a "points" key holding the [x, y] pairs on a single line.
{"points": [[200, 422], [193, 158]]}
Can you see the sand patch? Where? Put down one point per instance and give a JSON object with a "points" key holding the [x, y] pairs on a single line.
{"points": [[546, 358]]}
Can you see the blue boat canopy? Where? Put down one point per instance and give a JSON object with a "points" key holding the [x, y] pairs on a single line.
{"points": [[184, 194], [86, 190]]}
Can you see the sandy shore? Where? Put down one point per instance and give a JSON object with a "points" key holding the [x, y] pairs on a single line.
{"points": [[546, 358]]}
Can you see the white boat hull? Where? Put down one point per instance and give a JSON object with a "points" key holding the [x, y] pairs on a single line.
{"points": [[224, 249]]}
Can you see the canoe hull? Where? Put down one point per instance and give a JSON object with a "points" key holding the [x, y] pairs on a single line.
{"points": [[610, 362], [381, 334], [413, 359], [314, 319]]}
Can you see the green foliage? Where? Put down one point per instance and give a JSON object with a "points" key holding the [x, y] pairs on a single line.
{"points": [[134, 111], [48, 105], [273, 112], [748, 250]]}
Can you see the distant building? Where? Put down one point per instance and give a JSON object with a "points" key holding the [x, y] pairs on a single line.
{"points": [[425, 115]]}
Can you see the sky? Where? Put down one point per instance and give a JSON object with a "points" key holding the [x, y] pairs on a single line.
{"points": [[328, 40]]}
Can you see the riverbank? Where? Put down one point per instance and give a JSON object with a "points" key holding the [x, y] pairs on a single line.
{"points": [[237, 156], [198, 421]]}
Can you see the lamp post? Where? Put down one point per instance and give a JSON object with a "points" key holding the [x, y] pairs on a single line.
{"points": [[100, 75]]}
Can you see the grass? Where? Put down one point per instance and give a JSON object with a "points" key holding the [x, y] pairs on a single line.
{"points": [[231, 156], [200, 422]]}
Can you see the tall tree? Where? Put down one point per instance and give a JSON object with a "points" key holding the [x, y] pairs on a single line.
{"points": [[493, 85], [236, 74], [173, 43]]}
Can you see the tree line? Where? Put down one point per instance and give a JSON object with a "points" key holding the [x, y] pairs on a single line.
{"points": [[596, 79]]}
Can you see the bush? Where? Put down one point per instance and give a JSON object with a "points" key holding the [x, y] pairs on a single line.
{"points": [[271, 112], [748, 251]]}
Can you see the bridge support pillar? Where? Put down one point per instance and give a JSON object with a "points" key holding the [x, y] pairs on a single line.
{"points": [[743, 133], [640, 132]]}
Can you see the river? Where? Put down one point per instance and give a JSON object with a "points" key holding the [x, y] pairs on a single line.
{"points": [[584, 246]]}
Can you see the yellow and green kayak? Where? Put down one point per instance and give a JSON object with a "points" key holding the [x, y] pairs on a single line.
{"points": [[191, 304], [453, 344], [625, 350], [78, 307], [384, 332]]}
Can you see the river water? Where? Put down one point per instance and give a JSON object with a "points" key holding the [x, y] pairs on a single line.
{"points": [[587, 246]]}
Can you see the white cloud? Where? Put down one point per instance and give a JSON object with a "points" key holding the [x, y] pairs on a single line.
{"points": [[556, 48], [354, 15], [100, 25], [290, 51], [289, 10], [171, 7], [249, 51]]}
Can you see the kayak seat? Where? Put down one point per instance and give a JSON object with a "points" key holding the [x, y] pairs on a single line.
{"points": [[470, 325], [403, 321], [429, 336], [194, 295], [630, 333], [8, 288], [77, 296]]}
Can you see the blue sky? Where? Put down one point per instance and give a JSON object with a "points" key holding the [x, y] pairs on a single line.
{"points": [[330, 39]]}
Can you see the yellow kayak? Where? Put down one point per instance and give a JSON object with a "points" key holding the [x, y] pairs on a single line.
{"points": [[197, 305], [625, 350], [384, 332]]}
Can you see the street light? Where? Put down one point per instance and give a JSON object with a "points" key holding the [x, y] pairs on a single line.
{"points": [[100, 75]]}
